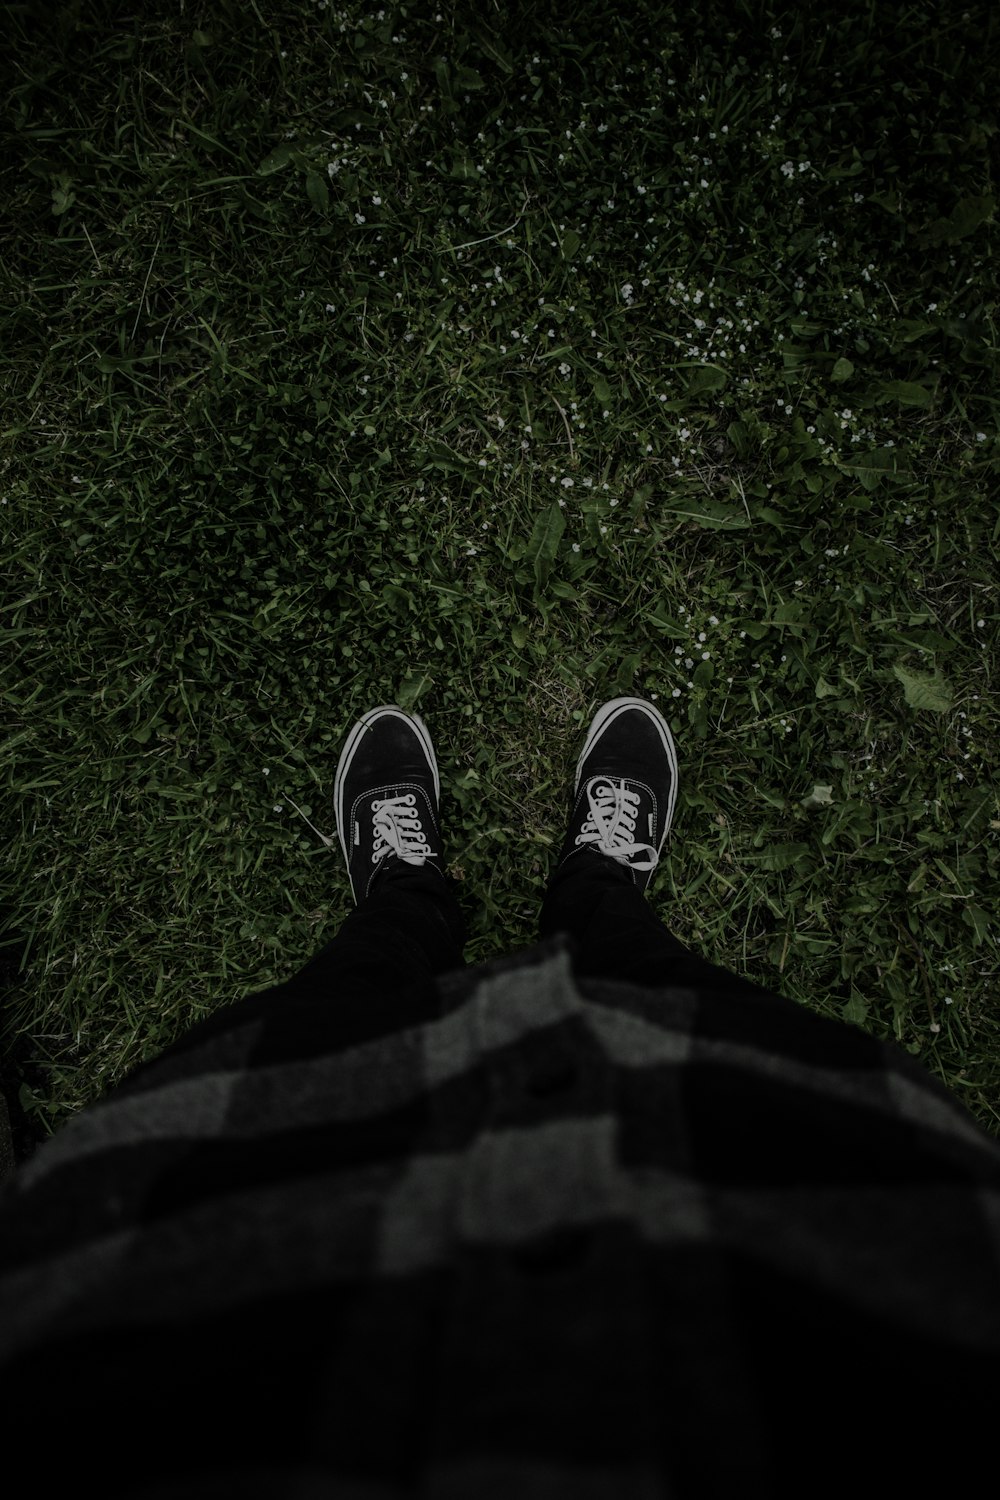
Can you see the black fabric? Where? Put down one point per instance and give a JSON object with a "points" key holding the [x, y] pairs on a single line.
{"points": [[592, 1219]]}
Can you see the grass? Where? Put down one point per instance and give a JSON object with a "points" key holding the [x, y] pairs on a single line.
{"points": [[496, 361]]}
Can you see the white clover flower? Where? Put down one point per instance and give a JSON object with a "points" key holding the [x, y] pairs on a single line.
{"points": [[566, 483]]}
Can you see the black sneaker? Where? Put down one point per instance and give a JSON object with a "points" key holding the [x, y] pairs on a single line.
{"points": [[625, 790], [386, 795]]}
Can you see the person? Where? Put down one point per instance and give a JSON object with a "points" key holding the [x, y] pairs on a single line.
{"points": [[595, 1218]]}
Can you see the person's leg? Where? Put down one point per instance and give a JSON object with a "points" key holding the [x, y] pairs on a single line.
{"points": [[407, 930], [624, 796], [377, 974], [407, 926], [615, 932]]}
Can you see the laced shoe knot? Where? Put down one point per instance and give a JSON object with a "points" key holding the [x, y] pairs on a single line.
{"points": [[398, 830], [610, 828]]}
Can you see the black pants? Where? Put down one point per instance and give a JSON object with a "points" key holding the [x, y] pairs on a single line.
{"points": [[411, 928], [377, 975]]}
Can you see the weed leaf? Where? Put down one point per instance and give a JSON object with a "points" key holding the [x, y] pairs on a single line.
{"points": [[545, 537], [925, 690]]}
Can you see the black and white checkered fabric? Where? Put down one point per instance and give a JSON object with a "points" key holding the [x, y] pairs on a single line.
{"points": [[555, 1237]]}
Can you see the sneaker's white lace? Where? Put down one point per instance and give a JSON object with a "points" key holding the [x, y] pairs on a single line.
{"points": [[398, 830], [611, 825]]}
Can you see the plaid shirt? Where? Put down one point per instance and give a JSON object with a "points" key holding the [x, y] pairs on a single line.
{"points": [[550, 1237]]}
